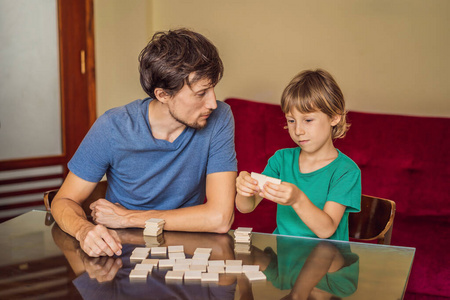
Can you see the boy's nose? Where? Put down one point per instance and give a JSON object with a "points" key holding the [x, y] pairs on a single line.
{"points": [[299, 130]]}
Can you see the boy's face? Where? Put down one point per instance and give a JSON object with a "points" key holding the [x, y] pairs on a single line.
{"points": [[311, 131], [192, 105]]}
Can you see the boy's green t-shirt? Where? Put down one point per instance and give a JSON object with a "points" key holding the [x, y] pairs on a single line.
{"points": [[339, 181]]}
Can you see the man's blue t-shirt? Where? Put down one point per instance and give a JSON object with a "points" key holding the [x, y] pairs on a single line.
{"points": [[147, 173]]}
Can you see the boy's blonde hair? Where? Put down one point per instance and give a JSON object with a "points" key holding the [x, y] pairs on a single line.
{"points": [[311, 91]]}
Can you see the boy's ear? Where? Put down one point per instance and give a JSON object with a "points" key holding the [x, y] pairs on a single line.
{"points": [[161, 95], [335, 120]]}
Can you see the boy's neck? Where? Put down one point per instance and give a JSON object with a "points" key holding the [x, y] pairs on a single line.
{"points": [[310, 162]]}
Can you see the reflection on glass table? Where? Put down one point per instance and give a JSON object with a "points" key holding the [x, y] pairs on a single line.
{"points": [[39, 259]]}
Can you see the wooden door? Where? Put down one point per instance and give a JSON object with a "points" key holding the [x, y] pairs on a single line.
{"points": [[23, 180]]}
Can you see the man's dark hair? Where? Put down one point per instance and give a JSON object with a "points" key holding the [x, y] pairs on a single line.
{"points": [[170, 57]]}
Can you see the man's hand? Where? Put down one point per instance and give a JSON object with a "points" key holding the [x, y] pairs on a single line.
{"points": [[109, 214], [102, 269], [97, 240]]}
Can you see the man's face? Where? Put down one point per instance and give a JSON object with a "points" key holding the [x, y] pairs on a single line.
{"points": [[192, 105]]}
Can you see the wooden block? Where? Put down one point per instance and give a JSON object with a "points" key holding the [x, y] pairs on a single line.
{"points": [[175, 275], [216, 263], [180, 267], [216, 269], [210, 277], [252, 276], [233, 269], [150, 261], [148, 267], [179, 248], [166, 263], [177, 255], [262, 179], [230, 262], [158, 250], [203, 250], [250, 268], [201, 256], [138, 274], [201, 262], [192, 275], [201, 268]]}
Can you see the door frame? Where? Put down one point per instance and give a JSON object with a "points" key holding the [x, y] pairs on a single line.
{"points": [[77, 77]]}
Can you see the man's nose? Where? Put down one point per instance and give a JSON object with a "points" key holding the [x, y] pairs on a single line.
{"points": [[211, 102]]}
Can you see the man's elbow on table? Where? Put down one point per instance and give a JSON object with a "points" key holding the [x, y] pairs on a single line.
{"points": [[221, 222]]}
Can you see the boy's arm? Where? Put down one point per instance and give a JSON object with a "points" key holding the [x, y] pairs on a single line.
{"points": [[215, 215], [68, 213], [247, 198], [322, 222]]}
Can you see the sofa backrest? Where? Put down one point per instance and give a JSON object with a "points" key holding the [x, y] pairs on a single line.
{"points": [[402, 158]]}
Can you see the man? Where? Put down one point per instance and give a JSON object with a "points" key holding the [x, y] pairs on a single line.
{"points": [[161, 155]]}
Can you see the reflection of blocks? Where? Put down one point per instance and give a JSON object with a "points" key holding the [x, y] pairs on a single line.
{"points": [[242, 248], [154, 227], [262, 179], [153, 241]]}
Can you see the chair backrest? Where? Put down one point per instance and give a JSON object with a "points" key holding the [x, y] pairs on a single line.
{"points": [[375, 220], [98, 192]]}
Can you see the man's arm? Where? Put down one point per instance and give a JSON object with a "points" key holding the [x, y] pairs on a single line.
{"points": [[216, 215], [68, 213]]}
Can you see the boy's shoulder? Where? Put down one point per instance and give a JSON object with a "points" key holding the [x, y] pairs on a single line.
{"points": [[347, 161]]}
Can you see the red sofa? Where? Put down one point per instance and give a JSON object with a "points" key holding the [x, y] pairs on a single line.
{"points": [[402, 158]]}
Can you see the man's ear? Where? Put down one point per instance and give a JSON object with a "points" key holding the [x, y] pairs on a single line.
{"points": [[161, 95], [335, 120]]}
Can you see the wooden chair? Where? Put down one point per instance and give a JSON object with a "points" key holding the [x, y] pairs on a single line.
{"points": [[374, 221], [98, 192]]}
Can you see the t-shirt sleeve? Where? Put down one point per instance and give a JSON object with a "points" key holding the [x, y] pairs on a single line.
{"points": [[222, 154], [91, 160], [273, 166], [346, 190]]}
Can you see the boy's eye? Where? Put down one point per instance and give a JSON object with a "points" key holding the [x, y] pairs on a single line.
{"points": [[308, 120], [290, 121]]}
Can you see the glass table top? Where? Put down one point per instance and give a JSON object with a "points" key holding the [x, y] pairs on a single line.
{"points": [[37, 259]]}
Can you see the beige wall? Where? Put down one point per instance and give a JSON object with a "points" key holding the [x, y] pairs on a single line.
{"points": [[121, 31], [387, 56]]}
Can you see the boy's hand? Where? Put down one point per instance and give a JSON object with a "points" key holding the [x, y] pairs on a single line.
{"points": [[285, 193], [246, 185]]}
